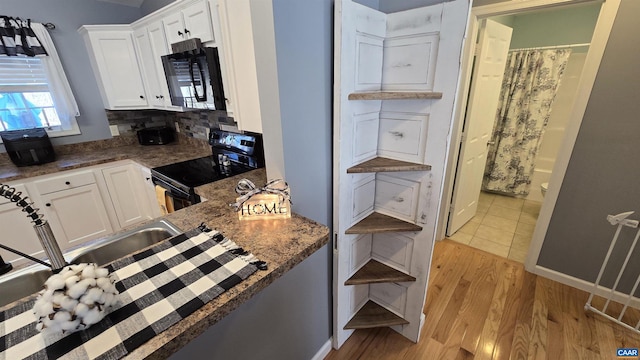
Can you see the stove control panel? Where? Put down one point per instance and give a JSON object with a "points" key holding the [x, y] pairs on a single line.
{"points": [[245, 143]]}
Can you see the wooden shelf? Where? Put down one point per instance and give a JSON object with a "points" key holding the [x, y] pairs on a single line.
{"points": [[380, 164], [377, 272], [379, 223], [395, 95], [373, 315]]}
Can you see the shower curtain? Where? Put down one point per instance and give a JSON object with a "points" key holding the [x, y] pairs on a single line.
{"points": [[529, 87]]}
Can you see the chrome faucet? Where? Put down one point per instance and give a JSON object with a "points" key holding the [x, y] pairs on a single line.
{"points": [[42, 228]]}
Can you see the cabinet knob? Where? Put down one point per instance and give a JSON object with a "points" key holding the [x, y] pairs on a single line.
{"points": [[186, 31], [141, 97], [148, 178], [67, 183], [47, 204], [180, 33], [157, 97]]}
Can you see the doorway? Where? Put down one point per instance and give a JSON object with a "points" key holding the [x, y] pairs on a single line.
{"points": [[505, 225]]}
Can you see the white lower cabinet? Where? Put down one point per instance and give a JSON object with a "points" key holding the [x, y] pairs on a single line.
{"points": [[76, 215], [127, 194], [80, 205], [17, 230]]}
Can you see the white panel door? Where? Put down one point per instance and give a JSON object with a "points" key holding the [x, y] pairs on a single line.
{"points": [[481, 114], [362, 32]]}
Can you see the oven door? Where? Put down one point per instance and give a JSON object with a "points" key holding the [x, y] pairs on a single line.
{"points": [[171, 198]]}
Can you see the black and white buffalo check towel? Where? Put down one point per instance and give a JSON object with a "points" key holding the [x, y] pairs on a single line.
{"points": [[158, 287]]}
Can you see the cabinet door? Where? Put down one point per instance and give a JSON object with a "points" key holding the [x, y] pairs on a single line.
{"points": [[159, 46], [173, 28], [148, 64], [150, 191], [127, 195], [197, 21], [17, 231], [76, 215], [118, 70]]}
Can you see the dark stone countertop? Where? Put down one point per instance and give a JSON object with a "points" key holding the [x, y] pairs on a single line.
{"points": [[281, 243]]}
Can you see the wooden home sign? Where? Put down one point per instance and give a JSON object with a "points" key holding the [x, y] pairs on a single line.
{"points": [[265, 206]]}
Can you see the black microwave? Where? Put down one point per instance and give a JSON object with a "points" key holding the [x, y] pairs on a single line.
{"points": [[194, 78]]}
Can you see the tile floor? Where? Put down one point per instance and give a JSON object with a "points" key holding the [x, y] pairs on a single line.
{"points": [[503, 226]]}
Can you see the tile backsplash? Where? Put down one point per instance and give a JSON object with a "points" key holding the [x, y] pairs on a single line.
{"points": [[192, 124]]}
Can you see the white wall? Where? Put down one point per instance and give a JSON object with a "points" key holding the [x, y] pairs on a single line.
{"points": [[554, 133]]}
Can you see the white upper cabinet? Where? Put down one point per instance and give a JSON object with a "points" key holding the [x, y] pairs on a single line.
{"points": [[193, 21], [148, 63], [151, 45], [115, 64]]}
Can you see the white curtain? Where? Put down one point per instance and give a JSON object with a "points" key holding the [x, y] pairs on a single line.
{"points": [[63, 99]]}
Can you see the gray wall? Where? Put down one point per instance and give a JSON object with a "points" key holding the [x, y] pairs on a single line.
{"points": [[68, 16], [291, 319], [602, 176], [149, 6]]}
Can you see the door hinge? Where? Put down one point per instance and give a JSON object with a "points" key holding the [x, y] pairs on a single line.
{"points": [[335, 241]]}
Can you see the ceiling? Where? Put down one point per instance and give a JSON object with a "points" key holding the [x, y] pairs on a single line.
{"points": [[132, 3]]}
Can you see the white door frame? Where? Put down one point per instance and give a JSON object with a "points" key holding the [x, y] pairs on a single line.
{"points": [[592, 63]]}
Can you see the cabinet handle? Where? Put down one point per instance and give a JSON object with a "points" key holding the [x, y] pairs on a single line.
{"points": [[67, 183], [397, 134], [179, 33], [47, 204]]}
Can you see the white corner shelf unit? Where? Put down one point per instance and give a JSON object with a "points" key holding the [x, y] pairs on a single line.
{"points": [[396, 77]]}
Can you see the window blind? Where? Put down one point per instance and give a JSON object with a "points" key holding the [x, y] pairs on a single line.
{"points": [[22, 74]]}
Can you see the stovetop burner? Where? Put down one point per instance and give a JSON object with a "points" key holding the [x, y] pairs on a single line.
{"points": [[197, 172]]}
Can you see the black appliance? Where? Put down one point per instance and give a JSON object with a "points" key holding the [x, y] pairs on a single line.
{"points": [[28, 147], [155, 135], [232, 154], [194, 77]]}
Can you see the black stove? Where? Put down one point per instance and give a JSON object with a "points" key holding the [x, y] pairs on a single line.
{"points": [[197, 172], [232, 154]]}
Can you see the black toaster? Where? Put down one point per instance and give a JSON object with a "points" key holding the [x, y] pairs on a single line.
{"points": [[28, 147], [155, 135]]}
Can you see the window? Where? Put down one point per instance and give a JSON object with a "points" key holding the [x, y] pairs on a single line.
{"points": [[25, 99], [34, 92]]}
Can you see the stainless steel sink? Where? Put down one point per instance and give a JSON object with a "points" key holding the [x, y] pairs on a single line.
{"points": [[20, 285], [27, 281], [122, 247]]}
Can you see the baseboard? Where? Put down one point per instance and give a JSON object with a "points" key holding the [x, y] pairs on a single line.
{"points": [[324, 351], [585, 285]]}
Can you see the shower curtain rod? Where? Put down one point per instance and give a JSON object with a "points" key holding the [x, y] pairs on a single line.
{"points": [[552, 47]]}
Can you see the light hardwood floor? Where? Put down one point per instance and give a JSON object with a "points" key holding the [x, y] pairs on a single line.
{"points": [[482, 306]]}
